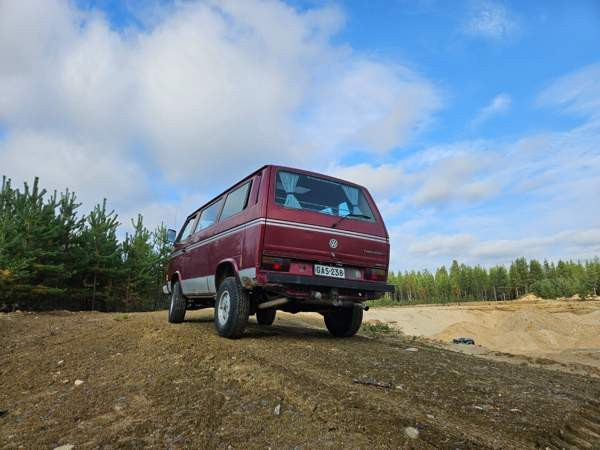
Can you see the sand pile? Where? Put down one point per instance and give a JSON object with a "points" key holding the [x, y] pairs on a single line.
{"points": [[529, 298], [529, 331], [528, 326]]}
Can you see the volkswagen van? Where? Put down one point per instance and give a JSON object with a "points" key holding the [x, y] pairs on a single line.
{"points": [[281, 239]]}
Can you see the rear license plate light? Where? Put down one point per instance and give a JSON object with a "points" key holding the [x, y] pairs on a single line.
{"points": [[275, 263]]}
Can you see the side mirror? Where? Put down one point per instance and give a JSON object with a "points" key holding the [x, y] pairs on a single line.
{"points": [[171, 235]]}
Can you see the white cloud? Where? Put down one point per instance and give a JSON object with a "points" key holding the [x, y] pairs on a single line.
{"points": [[456, 179], [371, 107], [586, 242], [491, 20], [433, 177], [439, 245], [383, 180], [90, 172], [499, 105], [210, 88], [577, 92]]}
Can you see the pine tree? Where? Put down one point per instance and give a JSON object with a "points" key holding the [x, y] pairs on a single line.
{"points": [[442, 284], [139, 265], [536, 272], [455, 279], [162, 251], [101, 255]]}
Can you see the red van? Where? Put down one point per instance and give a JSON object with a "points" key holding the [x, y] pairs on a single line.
{"points": [[281, 239]]}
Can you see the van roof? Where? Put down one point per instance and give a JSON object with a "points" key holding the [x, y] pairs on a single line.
{"points": [[260, 169]]}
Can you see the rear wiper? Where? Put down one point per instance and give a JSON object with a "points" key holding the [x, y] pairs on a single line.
{"points": [[362, 216]]}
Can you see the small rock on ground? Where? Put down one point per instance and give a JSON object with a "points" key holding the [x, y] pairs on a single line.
{"points": [[411, 432], [277, 410], [78, 382], [65, 447], [411, 349]]}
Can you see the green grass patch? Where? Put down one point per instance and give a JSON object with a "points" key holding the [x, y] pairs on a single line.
{"points": [[122, 317], [375, 328]]}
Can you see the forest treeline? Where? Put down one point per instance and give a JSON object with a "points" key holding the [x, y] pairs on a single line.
{"points": [[465, 283], [53, 257]]}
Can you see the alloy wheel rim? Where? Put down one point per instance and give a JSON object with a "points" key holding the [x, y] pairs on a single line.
{"points": [[224, 306]]}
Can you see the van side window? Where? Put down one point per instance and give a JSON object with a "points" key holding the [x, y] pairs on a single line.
{"points": [[208, 216], [187, 229], [236, 201]]}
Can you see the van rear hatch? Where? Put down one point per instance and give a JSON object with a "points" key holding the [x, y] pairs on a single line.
{"points": [[321, 219]]}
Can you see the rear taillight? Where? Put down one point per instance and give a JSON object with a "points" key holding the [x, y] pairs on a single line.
{"points": [[275, 263], [374, 274]]}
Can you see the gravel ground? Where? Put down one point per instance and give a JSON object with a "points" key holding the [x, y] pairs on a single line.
{"points": [[96, 380]]}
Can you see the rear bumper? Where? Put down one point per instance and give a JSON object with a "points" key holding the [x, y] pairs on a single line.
{"points": [[359, 285]]}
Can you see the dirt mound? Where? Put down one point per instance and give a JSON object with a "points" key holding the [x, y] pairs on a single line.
{"points": [[528, 326], [527, 332], [529, 298]]}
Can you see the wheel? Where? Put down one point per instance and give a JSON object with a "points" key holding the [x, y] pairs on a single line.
{"points": [[345, 322], [266, 316], [177, 306], [232, 308]]}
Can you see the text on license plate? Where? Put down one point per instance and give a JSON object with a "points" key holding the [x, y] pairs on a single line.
{"points": [[328, 271]]}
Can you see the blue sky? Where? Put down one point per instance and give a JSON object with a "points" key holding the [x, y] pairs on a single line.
{"points": [[475, 124]]}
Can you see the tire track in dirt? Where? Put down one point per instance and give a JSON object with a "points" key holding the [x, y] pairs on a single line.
{"points": [[581, 430]]}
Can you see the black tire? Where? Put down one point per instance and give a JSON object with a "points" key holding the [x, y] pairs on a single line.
{"points": [[266, 316], [232, 308], [178, 303], [345, 322]]}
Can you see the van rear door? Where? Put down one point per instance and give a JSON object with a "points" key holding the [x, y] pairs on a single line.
{"points": [[318, 218]]}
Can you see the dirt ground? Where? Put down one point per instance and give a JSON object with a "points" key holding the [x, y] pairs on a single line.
{"points": [[564, 331], [96, 380]]}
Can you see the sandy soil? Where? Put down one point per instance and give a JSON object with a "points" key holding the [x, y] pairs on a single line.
{"points": [[146, 383], [560, 330]]}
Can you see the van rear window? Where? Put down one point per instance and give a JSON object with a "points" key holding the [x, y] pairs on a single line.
{"points": [[300, 191]]}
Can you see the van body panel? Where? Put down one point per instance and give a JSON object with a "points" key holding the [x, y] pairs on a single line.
{"points": [[267, 228]]}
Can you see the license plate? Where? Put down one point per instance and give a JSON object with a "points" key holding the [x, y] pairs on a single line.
{"points": [[328, 271]]}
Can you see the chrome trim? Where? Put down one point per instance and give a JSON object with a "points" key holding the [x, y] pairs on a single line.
{"points": [[220, 235], [321, 229], [284, 224]]}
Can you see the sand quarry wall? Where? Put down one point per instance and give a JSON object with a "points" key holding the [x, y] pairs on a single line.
{"points": [[528, 326]]}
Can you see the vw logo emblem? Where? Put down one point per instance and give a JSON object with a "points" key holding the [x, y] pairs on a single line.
{"points": [[333, 243]]}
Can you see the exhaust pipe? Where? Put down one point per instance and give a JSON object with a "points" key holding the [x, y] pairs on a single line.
{"points": [[338, 304], [275, 302]]}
